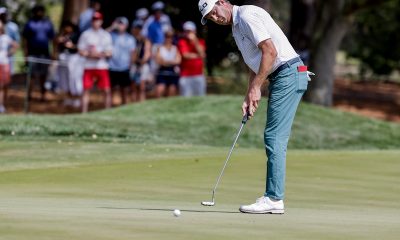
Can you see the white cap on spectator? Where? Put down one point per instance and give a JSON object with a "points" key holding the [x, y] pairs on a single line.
{"points": [[158, 6], [3, 10], [142, 13], [205, 6], [189, 26], [122, 20]]}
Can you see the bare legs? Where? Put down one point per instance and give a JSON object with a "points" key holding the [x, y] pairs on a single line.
{"points": [[86, 99], [162, 89], [138, 91]]}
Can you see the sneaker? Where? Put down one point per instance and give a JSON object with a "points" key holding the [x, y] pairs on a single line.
{"points": [[264, 205]]}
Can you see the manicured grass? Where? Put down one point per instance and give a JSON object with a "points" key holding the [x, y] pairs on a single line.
{"points": [[77, 190], [211, 121]]}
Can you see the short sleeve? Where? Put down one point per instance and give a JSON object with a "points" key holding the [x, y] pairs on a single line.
{"points": [[50, 34], [26, 32], [14, 33]]}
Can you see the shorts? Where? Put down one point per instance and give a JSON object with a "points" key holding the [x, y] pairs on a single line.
{"points": [[4, 74], [192, 86], [167, 76], [101, 75], [167, 80], [142, 73], [120, 78]]}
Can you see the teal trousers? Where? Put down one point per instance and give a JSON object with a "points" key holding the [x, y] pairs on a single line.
{"points": [[285, 92]]}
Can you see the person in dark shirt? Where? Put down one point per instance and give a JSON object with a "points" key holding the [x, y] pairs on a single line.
{"points": [[70, 69], [140, 70], [37, 34]]}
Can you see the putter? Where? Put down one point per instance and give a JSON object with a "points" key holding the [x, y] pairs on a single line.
{"points": [[212, 203]]}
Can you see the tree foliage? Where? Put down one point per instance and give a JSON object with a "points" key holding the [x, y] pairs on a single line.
{"points": [[375, 38], [21, 9]]}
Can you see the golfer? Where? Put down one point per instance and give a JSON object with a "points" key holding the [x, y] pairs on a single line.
{"points": [[268, 54]]}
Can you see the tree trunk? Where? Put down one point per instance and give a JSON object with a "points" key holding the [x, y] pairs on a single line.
{"points": [[323, 60], [73, 8]]}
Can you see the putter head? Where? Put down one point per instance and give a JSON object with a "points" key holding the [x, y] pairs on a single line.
{"points": [[209, 204]]}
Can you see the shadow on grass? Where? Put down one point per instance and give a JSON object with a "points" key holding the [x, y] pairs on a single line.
{"points": [[169, 210]]}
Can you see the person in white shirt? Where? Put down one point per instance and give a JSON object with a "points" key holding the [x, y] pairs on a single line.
{"points": [[7, 48], [168, 58], [124, 46], [12, 30], [95, 45], [268, 54]]}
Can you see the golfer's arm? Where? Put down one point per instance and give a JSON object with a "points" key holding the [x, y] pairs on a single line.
{"points": [[268, 56], [252, 75]]}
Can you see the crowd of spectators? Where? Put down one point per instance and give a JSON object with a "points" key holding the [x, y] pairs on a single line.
{"points": [[125, 59]]}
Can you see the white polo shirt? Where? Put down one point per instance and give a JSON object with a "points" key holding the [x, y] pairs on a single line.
{"points": [[252, 25], [100, 41]]}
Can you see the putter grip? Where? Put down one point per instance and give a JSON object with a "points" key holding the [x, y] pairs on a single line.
{"points": [[245, 118]]}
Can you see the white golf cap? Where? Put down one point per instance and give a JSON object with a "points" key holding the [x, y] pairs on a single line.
{"points": [[157, 6], [189, 26], [3, 10], [142, 13], [205, 6]]}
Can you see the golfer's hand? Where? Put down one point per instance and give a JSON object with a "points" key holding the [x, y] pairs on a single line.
{"points": [[251, 101]]}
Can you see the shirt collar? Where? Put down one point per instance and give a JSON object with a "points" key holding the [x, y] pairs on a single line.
{"points": [[235, 14]]}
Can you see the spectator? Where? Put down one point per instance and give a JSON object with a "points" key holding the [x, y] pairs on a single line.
{"points": [[7, 47], [95, 45], [155, 27], [168, 58], [123, 52], [192, 49], [155, 31], [142, 14], [158, 15], [140, 71], [12, 30], [85, 19], [70, 71], [38, 33]]}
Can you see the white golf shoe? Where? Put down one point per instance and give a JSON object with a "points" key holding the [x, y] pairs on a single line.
{"points": [[264, 205]]}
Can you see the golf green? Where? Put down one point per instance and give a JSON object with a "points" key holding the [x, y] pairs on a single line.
{"points": [[76, 190]]}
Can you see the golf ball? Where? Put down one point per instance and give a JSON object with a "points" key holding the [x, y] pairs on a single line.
{"points": [[177, 212]]}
